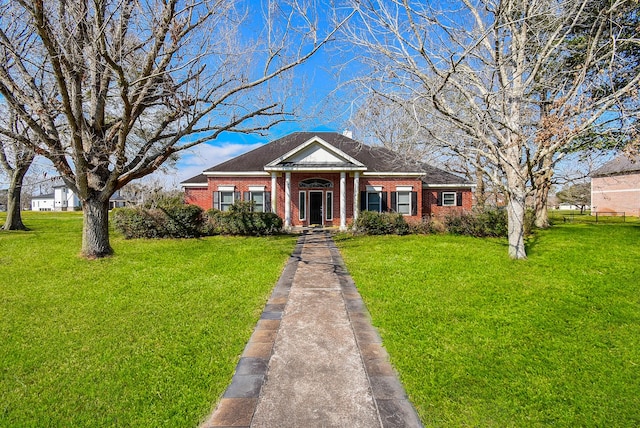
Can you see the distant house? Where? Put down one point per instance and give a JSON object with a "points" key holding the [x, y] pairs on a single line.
{"points": [[568, 206], [326, 179], [43, 202], [615, 187], [64, 199], [117, 201]]}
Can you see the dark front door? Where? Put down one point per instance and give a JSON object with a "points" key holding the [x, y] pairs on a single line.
{"points": [[315, 208]]}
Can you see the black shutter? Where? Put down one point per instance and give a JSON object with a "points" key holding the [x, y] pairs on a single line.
{"points": [[439, 199], [246, 196], [236, 196], [216, 200], [363, 200], [267, 202], [394, 201], [384, 202], [459, 199], [414, 203]]}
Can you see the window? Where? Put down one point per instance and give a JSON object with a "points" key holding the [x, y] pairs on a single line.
{"points": [[403, 203], [226, 200], [374, 201], [258, 199], [315, 183], [329, 206], [449, 199], [302, 205]]}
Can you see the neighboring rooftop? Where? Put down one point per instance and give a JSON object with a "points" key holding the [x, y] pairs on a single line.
{"points": [[45, 196], [621, 164]]}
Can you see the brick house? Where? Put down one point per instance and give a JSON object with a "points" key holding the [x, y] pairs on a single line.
{"points": [[615, 187], [326, 179]]}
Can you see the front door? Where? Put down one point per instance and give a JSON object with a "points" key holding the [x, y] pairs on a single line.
{"points": [[315, 208]]}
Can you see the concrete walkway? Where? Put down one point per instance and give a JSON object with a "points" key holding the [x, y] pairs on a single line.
{"points": [[314, 360]]}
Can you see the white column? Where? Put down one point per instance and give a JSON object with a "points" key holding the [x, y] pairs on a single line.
{"points": [[287, 201], [356, 195], [274, 185], [343, 201]]}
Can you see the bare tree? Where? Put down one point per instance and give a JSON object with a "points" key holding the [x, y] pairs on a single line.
{"points": [[493, 56], [85, 76], [15, 159], [576, 194], [386, 122]]}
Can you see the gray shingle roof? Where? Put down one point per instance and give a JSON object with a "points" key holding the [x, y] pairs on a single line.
{"points": [[198, 179], [376, 159], [621, 164]]}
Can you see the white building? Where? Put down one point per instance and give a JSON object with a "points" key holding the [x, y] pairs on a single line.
{"points": [[42, 202], [62, 199]]}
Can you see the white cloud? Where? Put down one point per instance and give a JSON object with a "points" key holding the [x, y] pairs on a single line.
{"points": [[199, 158]]}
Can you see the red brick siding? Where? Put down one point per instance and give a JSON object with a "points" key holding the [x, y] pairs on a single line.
{"points": [[200, 196], [426, 198], [431, 208], [619, 193]]}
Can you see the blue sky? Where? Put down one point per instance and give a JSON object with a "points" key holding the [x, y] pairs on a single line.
{"points": [[320, 79]]}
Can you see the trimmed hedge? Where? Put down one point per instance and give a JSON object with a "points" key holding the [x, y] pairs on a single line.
{"points": [[241, 220], [374, 223], [174, 221]]}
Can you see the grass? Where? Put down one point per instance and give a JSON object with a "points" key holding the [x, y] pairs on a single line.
{"points": [[575, 216], [149, 337], [481, 340]]}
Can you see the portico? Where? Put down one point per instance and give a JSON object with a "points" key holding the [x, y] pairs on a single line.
{"points": [[327, 168]]}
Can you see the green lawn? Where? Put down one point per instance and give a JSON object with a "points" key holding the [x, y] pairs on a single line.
{"points": [[149, 337], [481, 340]]}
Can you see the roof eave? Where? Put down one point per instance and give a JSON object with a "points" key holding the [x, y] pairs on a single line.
{"points": [[448, 185], [236, 173], [393, 174], [298, 168], [203, 184]]}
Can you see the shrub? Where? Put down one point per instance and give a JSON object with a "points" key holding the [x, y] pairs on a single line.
{"points": [[427, 226], [183, 221], [479, 224], [241, 220], [373, 223], [490, 223], [175, 221]]}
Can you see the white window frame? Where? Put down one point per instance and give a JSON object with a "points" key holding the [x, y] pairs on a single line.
{"points": [[329, 205], [379, 193], [223, 204], [302, 205], [451, 203], [408, 205], [256, 205]]}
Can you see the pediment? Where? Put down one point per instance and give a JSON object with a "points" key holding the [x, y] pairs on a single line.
{"points": [[317, 154]]}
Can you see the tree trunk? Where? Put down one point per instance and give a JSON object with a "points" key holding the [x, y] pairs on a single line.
{"points": [[14, 214], [542, 188], [541, 199], [95, 230], [516, 217], [481, 197]]}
